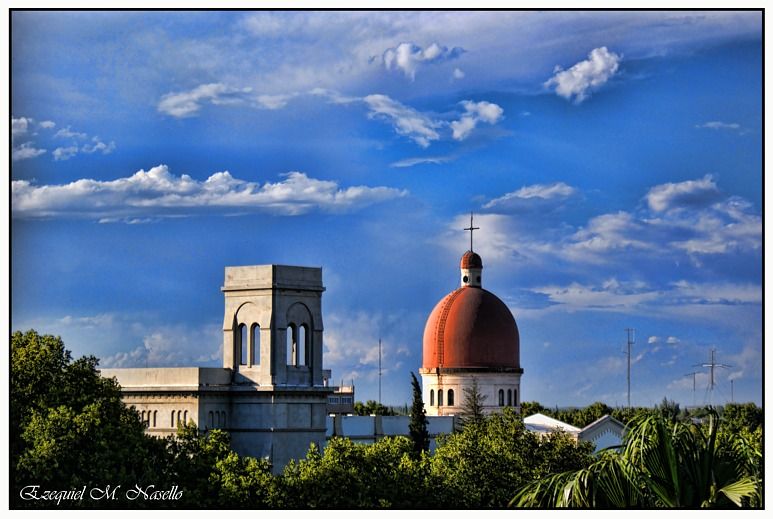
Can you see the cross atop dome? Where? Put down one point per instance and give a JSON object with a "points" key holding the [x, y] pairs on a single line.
{"points": [[471, 229]]}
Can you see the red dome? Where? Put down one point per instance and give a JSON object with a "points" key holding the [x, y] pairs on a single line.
{"points": [[470, 260], [471, 328]]}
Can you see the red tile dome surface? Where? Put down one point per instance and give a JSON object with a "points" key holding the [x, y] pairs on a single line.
{"points": [[471, 328], [471, 260]]}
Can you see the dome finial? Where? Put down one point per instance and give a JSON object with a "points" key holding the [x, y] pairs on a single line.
{"points": [[471, 229]]}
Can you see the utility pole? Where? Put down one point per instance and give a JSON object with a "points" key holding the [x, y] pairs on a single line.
{"points": [[693, 385], [379, 370], [631, 340]]}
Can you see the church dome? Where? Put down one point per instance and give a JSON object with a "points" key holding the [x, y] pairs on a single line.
{"points": [[471, 260], [471, 328]]}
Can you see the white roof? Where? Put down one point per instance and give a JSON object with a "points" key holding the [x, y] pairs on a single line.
{"points": [[545, 424]]}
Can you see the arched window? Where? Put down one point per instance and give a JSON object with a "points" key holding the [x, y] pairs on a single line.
{"points": [[515, 396], [217, 419], [255, 341], [292, 341], [155, 415], [171, 422], [211, 420], [242, 344], [432, 398], [440, 398], [509, 397], [222, 416], [302, 342], [185, 418], [501, 398], [450, 397], [142, 416]]}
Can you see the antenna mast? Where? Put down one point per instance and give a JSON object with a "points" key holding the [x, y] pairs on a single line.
{"points": [[693, 385], [631, 340], [379, 370]]}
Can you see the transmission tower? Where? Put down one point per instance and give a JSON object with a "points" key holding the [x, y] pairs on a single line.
{"points": [[712, 366]]}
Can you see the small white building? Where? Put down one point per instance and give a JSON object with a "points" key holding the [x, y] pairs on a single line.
{"points": [[604, 432]]}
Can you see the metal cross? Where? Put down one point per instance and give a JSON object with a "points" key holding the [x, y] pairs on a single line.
{"points": [[471, 229]]}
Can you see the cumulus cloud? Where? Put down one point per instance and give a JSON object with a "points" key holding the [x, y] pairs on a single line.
{"points": [[719, 125], [672, 340], [536, 196], [98, 146], [653, 339], [408, 56], [47, 124], [68, 133], [351, 343], [157, 192], [20, 126], [175, 345], [473, 114], [458, 73], [26, 151], [691, 193], [65, 153], [405, 120], [188, 104], [585, 76]]}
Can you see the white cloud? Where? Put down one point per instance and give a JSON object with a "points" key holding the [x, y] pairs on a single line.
{"points": [[585, 76], [67, 133], [458, 73], [719, 125], [20, 126], [405, 120], [65, 153], [578, 296], [351, 344], [690, 193], [413, 161], [653, 339], [188, 104], [532, 197], [474, 113], [408, 56], [716, 293], [157, 192], [47, 124], [672, 340], [174, 345], [26, 151], [98, 145]]}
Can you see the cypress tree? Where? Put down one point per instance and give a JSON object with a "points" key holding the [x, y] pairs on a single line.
{"points": [[418, 425]]}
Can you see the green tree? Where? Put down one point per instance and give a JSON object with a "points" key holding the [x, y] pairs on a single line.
{"points": [[737, 417], [480, 466], [472, 407], [663, 464], [418, 425], [69, 427], [372, 407], [348, 475], [530, 408]]}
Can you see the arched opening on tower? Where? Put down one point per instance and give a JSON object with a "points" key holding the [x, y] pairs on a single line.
{"points": [[450, 397], [243, 344], [432, 398], [292, 344], [302, 359], [255, 342], [501, 398]]}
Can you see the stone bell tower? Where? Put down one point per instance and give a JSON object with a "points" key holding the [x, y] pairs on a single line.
{"points": [[272, 344]]}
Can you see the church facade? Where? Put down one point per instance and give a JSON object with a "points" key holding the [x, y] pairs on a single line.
{"points": [[470, 338], [271, 393]]}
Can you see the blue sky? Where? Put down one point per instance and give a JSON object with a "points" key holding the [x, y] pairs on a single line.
{"points": [[613, 161]]}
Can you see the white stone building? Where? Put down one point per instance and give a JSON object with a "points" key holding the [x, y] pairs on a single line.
{"points": [[470, 336], [271, 393]]}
